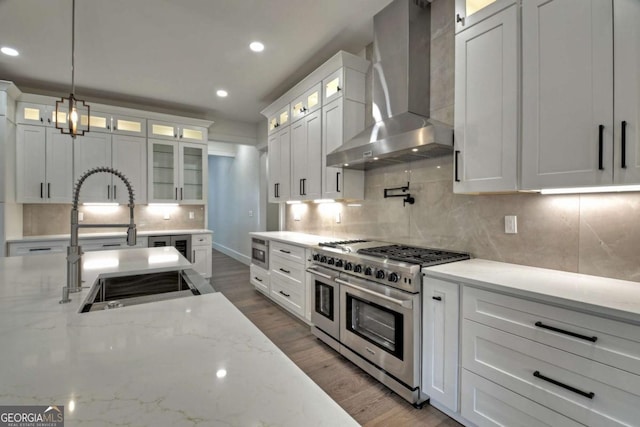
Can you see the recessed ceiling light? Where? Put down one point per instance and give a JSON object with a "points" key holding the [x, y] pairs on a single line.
{"points": [[9, 51], [256, 46], [346, 164], [375, 158], [222, 93], [414, 149]]}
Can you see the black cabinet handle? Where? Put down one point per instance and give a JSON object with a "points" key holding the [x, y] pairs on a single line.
{"points": [[600, 146], [48, 190], [304, 186], [41, 190], [623, 142], [587, 394], [459, 18], [41, 121], [285, 271], [108, 192], [286, 295], [181, 195], [437, 298], [300, 187], [275, 190], [39, 249], [259, 280], [455, 165], [562, 331], [285, 252], [111, 245], [114, 192], [176, 193], [338, 182]]}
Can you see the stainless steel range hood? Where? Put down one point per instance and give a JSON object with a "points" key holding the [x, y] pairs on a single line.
{"points": [[401, 79]]}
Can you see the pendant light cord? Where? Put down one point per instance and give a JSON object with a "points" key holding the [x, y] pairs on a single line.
{"points": [[73, 46]]}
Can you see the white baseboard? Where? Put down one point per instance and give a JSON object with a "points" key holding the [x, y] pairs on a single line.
{"points": [[232, 253]]}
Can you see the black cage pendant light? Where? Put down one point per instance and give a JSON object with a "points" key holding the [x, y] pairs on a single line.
{"points": [[72, 114]]}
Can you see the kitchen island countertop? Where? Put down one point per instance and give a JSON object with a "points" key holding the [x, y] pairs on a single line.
{"points": [[82, 236], [185, 361]]}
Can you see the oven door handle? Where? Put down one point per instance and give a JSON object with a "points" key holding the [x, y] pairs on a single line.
{"points": [[406, 303], [316, 272]]}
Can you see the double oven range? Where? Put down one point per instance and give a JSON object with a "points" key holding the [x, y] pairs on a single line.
{"points": [[366, 304]]}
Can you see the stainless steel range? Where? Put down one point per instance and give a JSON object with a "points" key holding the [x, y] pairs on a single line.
{"points": [[366, 304]]}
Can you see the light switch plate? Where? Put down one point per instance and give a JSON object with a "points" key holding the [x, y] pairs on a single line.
{"points": [[192, 215], [511, 224], [80, 216]]}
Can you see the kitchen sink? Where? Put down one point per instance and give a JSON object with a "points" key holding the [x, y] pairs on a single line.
{"points": [[122, 291]]}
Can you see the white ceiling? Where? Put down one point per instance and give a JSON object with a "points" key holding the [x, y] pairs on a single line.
{"points": [[174, 54]]}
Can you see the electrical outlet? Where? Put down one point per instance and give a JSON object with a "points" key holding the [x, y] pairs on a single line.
{"points": [[250, 213], [167, 215], [296, 216], [338, 217], [511, 224], [80, 216], [192, 215]]}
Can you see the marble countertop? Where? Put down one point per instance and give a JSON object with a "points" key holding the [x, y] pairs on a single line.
{"points": [[186, 361], [82, 236], [293, 237], [601, 295]]}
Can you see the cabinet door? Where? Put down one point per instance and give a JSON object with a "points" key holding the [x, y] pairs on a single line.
{"points": [[284, 181], [162, 130], [201, 260], [307, 103], [129, 156], [35, 114], [441, 302], [31, 163], [60, 182], [567, 93], [163, 171], [97, 121], [298, 158], [193, 173], [332, 138], [90, 151], [486, 114], [192, 134], [627, 91], [274, 172], [332, 86], [127, 125], [470, 12], [306, 164]]}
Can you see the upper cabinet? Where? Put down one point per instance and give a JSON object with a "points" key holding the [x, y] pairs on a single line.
{"points": [[36, 114], [115, 123], [306, 103], [470, 12], [486, 98], [279, 119], [306, 152], [176, 131], [568, 92], [279, 165]]}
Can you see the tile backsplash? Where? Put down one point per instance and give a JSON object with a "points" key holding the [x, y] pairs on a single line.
{"points": [[48, 219]]}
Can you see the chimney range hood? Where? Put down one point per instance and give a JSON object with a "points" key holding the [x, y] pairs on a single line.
{"points": [[403, 130]]}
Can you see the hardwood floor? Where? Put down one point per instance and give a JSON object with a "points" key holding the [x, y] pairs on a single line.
{"points": [[363, 397]]}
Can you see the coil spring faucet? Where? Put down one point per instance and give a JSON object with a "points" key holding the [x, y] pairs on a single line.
{"points": [[74, 251]]}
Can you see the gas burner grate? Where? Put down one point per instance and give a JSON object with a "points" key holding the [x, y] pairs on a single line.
{"points": [[414, 255], [338, 243]]}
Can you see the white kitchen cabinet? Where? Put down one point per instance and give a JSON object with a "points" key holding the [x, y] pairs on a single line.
{"points": [[342, 119], [279, 119], [259, 277], [36, 114], [201, 254], [49, 246], [44, 166], [126, 154], [306, 103], [115, 123], [287, 277], [176, 131], [279, 168], [567, 93], [487, 104], [306, 150], [177, 172], [471, 12], [441, 311]]}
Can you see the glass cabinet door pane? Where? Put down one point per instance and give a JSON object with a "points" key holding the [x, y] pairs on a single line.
{"points": [[284, 117], [324, 300], [332, 87], [472, 6], [31, 113], [192, 173], [273, 123], [192, 134], [313, 99], [162, 130], [163, 172], [129, 125]]}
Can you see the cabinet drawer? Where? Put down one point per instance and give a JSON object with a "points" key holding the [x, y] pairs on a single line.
{"points": [[259, 277], [489, 405], [38, 248], [287, 294], [201, 240], [553, 378], [295, 253], [617, 343], [287, 269]]}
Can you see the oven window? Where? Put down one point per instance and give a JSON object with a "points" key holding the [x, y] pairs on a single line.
{"points": [[258, 255], [376, 324], [324, 299]]}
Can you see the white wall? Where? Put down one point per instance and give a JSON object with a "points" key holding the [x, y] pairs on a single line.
{"points": [[234, 207]]}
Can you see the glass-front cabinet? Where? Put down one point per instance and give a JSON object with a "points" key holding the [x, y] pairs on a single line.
{"points": [[175, 131], [307, 103], [470, 12], [177, 172]]}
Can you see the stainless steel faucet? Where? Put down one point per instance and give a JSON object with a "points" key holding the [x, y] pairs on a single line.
{"points": [[74, 251]]}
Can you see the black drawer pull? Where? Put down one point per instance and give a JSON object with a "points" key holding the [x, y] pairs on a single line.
{"points": [[562, 331], [285, 271], [437, 298], [111, 245], [285, 252], [41, 191], [259, 280], [39, 249], [600, 146], [286, 295], [623, 142], [586, 394], [455, 166]]}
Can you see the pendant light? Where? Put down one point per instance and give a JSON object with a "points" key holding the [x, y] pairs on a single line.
{"points": [[72, 114]]}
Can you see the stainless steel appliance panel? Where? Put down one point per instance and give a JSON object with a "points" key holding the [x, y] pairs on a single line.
{"points": [[181, 242], [325, 301], [260, 252]]}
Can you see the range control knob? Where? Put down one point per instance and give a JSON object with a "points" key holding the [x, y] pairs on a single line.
{"points": [[316, 257], [393, 277], [380, 274], [357, 268], [368, 271], [331, 261], [339, 263], [348, 266], [323, 258]]}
